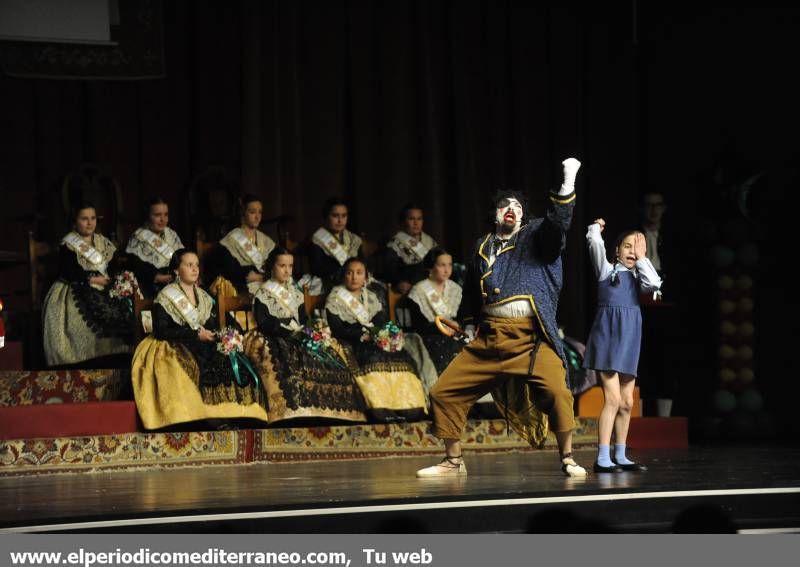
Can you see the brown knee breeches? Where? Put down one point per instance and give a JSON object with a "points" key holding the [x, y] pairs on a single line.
{"points": [[502, 351]]}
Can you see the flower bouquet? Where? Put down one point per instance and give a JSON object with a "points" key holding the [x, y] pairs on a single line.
{"points": [[124, 287], [316, 338], [389, 338], [231, 344], [229, 341]]}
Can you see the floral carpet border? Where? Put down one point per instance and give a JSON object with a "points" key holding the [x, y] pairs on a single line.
{"points": [[124, 451], [131, 451], [361, 441], [30, 387]]}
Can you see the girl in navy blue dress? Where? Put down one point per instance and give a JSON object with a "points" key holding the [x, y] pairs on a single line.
{"points": [[616, 337]]}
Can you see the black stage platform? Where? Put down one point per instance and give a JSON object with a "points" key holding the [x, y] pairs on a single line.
{"points": [[756, 488]]}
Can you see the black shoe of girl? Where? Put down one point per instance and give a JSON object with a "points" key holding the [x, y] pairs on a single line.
{"points": [[598, 468], [632, 467]]}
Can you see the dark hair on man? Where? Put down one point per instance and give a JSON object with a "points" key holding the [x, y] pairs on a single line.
{"points": [[650, 194], [328, 205], [401, 217], [503, 194], [429, 261], [655, 197], [149, 204]]}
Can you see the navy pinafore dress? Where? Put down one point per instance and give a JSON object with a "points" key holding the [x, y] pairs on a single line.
{"points": [[616, 336]]}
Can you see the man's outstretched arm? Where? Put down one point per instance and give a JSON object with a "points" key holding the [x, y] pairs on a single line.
{"points": [[550, 237]]}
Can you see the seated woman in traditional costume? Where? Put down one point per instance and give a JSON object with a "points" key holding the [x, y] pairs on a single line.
{"points": [[243, 252], [82, 320], [406, 249], [332, 244], [303, 379], [178, 373], [436, 295], [151, 246], [388, 380]]}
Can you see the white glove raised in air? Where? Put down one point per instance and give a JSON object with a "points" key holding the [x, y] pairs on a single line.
{"points": [[571, 167]]}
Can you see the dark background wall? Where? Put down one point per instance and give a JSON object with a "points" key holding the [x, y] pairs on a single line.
{"points": [[442, 102]]}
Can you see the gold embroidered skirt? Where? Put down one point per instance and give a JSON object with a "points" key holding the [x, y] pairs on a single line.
{"points": [[389, 382], [167, 389]]}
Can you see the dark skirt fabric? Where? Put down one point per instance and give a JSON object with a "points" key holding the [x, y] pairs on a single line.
{"points": [[299, 385], [442, 349], [104, 315]]}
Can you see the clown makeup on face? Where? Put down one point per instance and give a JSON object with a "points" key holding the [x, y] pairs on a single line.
{"points": [[508, 215]]}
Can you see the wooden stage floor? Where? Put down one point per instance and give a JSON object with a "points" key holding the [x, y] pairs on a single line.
{"points": [[755, 488]]}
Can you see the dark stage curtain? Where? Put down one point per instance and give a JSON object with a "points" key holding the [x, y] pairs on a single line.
{"points": [[440, 103]]}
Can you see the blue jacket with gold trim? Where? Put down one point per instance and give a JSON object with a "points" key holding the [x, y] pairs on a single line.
{"points": [[529, 267]]}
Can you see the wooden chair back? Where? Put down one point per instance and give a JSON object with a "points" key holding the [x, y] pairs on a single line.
{"points": [[313, 302], [236, 304], [202, 247], [37, 251], [393, 298], [368, 247]]}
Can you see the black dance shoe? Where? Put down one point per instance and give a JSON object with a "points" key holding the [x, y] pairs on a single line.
{"points": [[632, 467], [598, 468]]}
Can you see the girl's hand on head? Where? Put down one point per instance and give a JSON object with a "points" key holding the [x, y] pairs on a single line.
{"points": [[639, 246], [601, 223]]}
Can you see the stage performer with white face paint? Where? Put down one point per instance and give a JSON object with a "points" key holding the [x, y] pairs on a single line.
{"points": [[512, 288]]}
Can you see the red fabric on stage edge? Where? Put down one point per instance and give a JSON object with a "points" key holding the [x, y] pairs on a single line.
{"points": [[68, 420], [658, 433]]}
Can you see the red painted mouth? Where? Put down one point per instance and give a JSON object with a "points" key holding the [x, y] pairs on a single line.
{"points": [[510, 217]]}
